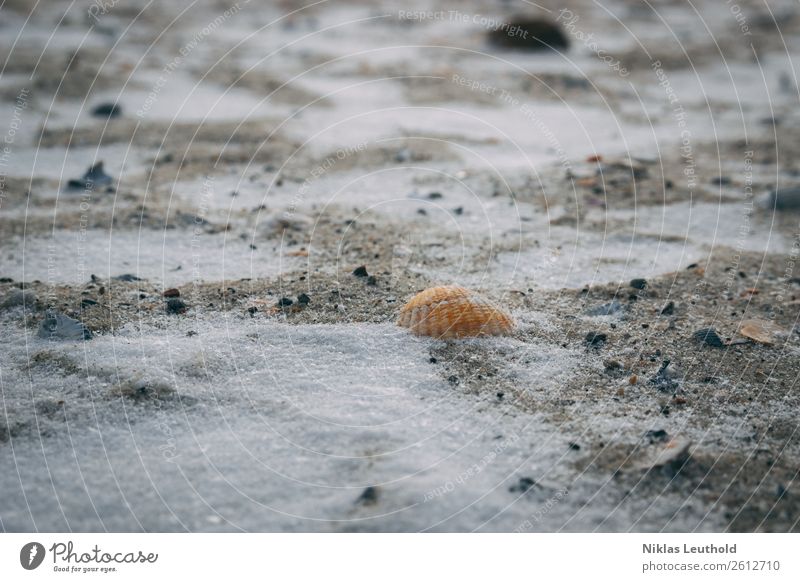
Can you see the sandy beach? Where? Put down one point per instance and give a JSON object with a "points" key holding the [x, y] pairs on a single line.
{"points": [[212, 213]]}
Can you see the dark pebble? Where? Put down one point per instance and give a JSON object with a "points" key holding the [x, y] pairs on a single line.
{"points": [[127, 278], [361, 271], [721, 181], [372, 280], [86, 302], [434, 195], [433, 360], [93, 178], [529, 35], [668, 309], [638, 283], [453, 380], [284, 302], [574, 447], [785, 199], [709, 337], [368, 497], [664, 380], [252, 310], [303, 299], [175, 306], [595, 339], [523, 485], [657, 436], [171, 293], [107, 110], [56, 326]]}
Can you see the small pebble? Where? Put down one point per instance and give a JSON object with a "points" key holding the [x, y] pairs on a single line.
{"points": [[533, 35], [709, 337], [171, 293], [361, 271], [595, 339], [523, 485], [372, 280], [668, 309], [784, 199], [638, 283], [664, 380], [303, 299], [284, 302], [368, 497], [58, 326], [110, 110], [657, 436], [94, 177], [176, 306]]}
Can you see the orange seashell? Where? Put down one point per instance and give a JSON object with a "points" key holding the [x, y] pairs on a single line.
{"points": [[453, 312]]}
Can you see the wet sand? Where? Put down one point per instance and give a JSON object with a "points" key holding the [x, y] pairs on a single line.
{"points": [[612, 196]]}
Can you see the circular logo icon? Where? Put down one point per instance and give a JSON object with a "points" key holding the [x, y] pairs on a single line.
{"points": [[31, 555]]}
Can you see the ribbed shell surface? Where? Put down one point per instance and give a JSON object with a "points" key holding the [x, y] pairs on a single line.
{"points": [[453, 312]]}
